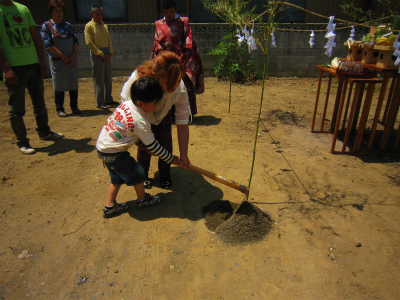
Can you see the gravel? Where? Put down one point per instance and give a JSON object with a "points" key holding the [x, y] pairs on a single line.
{"points": [[248, 225]]}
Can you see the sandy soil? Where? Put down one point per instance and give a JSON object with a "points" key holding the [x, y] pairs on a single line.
{"points": [[335, 218]]}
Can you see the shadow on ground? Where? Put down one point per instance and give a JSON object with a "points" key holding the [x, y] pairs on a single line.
{"points": [[189, 193], [205, 121], [65, 145], [373, 154], [94, 112]]}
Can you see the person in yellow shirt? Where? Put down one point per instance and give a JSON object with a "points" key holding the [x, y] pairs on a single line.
{"points": [[98, 40]]}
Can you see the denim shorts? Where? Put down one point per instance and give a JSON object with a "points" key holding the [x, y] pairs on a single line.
{"points": [[123, 168]]}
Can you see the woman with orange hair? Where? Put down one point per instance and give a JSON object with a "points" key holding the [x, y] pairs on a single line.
{"points": [[167, 69]]}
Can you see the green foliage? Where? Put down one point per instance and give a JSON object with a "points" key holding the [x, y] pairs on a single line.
{"points": [[381, 31], [241, 13], [367, 38], [374, 10], [396, 21], [357, 14], [233, 64], [231, 11]]}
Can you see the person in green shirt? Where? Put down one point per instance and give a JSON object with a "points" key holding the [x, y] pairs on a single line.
{"points": [[23, 62]]}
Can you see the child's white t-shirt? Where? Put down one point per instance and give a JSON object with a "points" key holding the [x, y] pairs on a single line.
{"points": [[179, 98], [123, 128]]}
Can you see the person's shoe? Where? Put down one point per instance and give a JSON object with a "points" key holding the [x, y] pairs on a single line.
{"points": [[52, 136], [76, 111], [62, 113], [27, 149], [102, 107], [166, 184], [149, 200], [117, 209], [147, 184], [112, 103]]}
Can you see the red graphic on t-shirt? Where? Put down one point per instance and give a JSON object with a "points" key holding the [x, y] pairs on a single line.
{"points": [[18, 19]]}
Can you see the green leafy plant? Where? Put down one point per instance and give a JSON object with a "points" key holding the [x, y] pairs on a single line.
{"points": [[367, 38], [233, 64], [381, 31], [239, 13], [385, 11]]}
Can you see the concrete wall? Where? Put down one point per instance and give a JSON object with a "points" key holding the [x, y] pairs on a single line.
{"points": [[147, 11], [292, 56]]}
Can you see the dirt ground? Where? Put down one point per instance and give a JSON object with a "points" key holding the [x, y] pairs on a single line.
{"points": [[335, 235]]}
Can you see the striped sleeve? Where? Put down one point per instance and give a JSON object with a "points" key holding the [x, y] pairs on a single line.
{"points": [[158, 150]]}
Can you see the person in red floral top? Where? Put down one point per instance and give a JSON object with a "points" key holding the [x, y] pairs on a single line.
{"points": [[173, 33]]}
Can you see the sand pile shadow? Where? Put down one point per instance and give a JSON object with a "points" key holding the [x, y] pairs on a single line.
{"points": [[248, 225]]}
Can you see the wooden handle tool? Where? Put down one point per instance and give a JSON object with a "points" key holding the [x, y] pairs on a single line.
{"points": [[227, 182]]}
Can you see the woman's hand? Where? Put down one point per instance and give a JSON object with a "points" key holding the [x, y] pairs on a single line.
{"points": [[184, 162], [72, 61], [65, 59]]}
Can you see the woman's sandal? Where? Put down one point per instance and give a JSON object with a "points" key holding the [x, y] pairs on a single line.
{"points": [[166, 184]]}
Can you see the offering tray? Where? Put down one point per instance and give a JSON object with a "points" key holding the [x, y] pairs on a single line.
{"points": [[353, 74]]}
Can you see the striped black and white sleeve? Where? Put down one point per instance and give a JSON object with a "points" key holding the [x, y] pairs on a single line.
{"points": [[158, 150]]}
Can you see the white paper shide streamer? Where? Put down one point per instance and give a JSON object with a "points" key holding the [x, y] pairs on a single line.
{"points": [[311, 42], [350, 40], [240, 38], [330, 35], [396, 46], [251, 42], [247, 37], [273, 39]]}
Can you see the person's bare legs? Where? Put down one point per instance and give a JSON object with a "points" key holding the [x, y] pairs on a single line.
{"points": [[114, 189], [144, 199], [112, 194], [139, 188]]}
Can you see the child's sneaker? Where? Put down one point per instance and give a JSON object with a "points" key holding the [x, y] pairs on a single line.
{"points": [[117, 209], [148, 201]]}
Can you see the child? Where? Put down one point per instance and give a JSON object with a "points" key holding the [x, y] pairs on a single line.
{"points": [[167, 69], [125, 127]]}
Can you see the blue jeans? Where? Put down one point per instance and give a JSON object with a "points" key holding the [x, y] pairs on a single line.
{"points": [[29, 77], [123, 168]]}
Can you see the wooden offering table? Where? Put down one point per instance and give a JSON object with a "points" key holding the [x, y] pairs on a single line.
{"points": [[340, 93], [356, 118], [354, 113], [389, 117]]}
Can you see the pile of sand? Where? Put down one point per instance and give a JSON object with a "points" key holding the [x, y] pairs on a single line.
{"points": [[249, 224]]}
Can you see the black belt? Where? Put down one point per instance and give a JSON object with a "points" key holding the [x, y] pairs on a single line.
{"points": [[112, 157], [55, 58]]}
